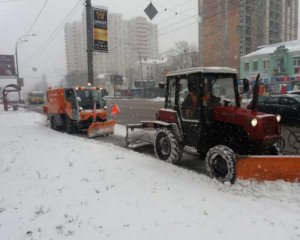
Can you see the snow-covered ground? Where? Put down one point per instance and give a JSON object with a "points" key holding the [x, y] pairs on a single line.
{"points": [[57, 186]]}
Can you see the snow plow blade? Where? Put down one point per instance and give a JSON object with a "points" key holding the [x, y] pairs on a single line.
{"points": [[268, 168], [140, 134], [98, 129]]}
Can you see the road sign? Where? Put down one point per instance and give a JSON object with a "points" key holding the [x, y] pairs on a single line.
{"points": [[151, 11]]}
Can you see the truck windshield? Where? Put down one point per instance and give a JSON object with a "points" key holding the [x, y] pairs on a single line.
{"points": [[36, 94], [87, 98]]}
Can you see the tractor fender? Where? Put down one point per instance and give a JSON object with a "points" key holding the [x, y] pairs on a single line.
{"points": [[173, 126]]}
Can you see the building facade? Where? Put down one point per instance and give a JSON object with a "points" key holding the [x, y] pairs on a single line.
{"points": [[128, 41], [230, 29], [278, 64], [74, 47]]}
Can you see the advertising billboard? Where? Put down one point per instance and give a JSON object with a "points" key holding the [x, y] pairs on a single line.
{"points": [[116, 79], [100, 28], [7, 66]]}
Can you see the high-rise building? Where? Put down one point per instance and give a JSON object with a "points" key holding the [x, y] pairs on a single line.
{"points": [[128, 41], [112, 62], [142, 38], [74, 47], [232, 28]]}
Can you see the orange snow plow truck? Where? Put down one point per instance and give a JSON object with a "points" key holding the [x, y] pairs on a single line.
{"points": [[80, 108]]}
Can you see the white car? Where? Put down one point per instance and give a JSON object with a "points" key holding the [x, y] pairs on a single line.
{"points": [[294, 92]]}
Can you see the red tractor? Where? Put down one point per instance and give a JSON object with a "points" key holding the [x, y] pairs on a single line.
{"points": [[203, 110]]}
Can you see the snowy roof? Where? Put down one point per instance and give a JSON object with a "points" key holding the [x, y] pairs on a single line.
{"points": [[36, 92], [292, 46], [101, 75], [152, 61], [202, 70]]}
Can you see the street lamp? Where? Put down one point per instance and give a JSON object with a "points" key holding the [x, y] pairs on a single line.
{"points": [[20, 40]]}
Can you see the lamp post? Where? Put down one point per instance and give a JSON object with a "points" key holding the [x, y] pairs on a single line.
{"points": [[20, 40]]}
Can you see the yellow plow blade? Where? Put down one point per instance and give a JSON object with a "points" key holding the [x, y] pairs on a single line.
{"points": [[97, 129], [268, 168]]}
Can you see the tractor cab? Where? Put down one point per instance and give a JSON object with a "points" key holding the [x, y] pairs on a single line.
{"points": [[194, 93], [208, 111]]}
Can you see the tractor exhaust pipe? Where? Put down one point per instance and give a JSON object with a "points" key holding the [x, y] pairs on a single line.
{"points": [[255, 94]]}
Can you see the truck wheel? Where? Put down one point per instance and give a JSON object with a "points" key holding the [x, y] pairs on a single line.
{"points": [[167, 146], [220, 163], [53, 123], [68, 125]]}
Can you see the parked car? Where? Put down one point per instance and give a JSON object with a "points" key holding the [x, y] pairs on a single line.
{"points": [[294, 92], [286, 105]]}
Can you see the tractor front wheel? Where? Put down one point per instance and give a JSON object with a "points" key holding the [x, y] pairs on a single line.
{"points": [[167, 147], [220, 163]]}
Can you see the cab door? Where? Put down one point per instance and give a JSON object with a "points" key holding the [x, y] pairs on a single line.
{"points": [[189, 110], [72, 109]]}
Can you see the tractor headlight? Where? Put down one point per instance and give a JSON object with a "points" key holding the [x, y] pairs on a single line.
{"points": [[254, 122], [278, 117]]}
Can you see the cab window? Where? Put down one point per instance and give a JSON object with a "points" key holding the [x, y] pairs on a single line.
{"points": [[171, 93]]}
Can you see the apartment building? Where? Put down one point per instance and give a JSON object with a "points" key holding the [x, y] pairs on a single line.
{"points": [[128, 41], [74, 46], [230, 29]]}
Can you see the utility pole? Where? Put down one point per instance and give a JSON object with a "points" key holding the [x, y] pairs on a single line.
{"points": [[141, 74], [89, 41]]}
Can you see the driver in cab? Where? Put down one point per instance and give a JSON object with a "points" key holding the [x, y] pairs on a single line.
{"points": [[190, 102]]}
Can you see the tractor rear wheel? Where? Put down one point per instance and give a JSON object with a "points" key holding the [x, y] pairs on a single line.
{"points": [[220, 163], [167, 147]]}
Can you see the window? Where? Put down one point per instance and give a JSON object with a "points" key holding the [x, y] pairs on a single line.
{"points": [[287, 101], [297, 65], [188, 98], [266, 64], [261, 99], [171, 93], [255, 66], [246, 66], [272, 100], [280, 64]]}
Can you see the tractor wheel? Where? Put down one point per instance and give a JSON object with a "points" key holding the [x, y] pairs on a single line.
{"points": [[53, 123], [167, 146], [220, 163], [68, 125]]}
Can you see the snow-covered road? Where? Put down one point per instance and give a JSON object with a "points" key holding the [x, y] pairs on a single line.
{"points": [[57, 186]]}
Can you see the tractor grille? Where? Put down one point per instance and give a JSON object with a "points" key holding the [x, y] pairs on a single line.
{"points": [[270, 126]]}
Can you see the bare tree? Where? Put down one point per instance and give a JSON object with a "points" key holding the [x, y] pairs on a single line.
{"points": [[75, 78], [183, 55]]}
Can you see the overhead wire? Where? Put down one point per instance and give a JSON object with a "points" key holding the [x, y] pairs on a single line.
{"points": [[37, 17], [8, 1], [51, 38], [54, 34]]}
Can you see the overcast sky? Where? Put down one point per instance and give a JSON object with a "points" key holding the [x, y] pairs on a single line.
{"points": [[16, 17]]}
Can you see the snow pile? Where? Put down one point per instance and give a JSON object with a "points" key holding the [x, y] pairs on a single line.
{"points": [[158, 99], [57, 186]]}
